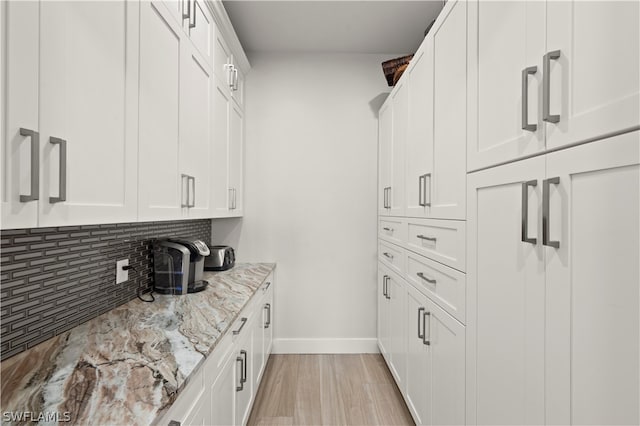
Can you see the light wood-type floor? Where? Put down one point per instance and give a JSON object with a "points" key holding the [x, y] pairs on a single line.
{"points": [[349, 389]]}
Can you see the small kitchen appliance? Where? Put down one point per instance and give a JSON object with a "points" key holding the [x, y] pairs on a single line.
{"points": [[221, 258], [178, 265]]}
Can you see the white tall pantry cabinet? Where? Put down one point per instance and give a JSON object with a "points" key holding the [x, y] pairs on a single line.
{"points": [[553, 248], [422, 191], [524, 119]]}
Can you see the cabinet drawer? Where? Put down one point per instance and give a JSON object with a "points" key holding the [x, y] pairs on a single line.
{"points": [[444, 285], [440, 240], [393, 230], [392, 256]]}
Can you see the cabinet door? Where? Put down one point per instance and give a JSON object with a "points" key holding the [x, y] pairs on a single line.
{"points": [[418, 388], [268, 330], [200, 29], [196, 128], [236, 159], [159, 119], [397, 328], [223, 392], [220, 155], [447, 182], [506, 298], [385, 135], [20, 56], [88, 108], [383, 313], [419, 167], [221, 59], [505, 38], [244, 389], [446, 337], [257, 356], [595, 87], [398, 147], [592, 322]]}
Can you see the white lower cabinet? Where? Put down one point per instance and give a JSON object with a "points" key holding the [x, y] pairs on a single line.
{"points": [[224, 389], [424, 348], [553, 298]]}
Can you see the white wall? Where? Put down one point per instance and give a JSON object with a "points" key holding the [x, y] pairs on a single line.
{"points": [[310, 195]]}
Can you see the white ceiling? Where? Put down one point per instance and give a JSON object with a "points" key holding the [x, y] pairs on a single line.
{"points": [[342, 26]]}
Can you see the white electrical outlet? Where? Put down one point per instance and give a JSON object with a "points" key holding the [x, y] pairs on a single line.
{"points": [[122, 275]]}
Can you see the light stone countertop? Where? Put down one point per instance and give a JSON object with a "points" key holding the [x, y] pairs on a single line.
{"points": [[127, 366]]}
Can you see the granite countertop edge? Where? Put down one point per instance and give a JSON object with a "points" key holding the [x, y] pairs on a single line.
{"points": [[128, 365]]}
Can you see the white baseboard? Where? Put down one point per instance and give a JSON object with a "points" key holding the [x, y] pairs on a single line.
{"points": [[325, 346]]}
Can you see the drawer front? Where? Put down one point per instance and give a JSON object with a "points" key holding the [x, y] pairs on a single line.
{"points": [[445, 286], [440, 240], [392, 256], [393, 230]]}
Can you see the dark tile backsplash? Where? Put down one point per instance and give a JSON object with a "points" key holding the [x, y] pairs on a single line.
{"points": [[52, 279]]}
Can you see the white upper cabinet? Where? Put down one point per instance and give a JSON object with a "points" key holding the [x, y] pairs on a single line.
{"points": [[399, 101], [220, 156], [20, 154], [161, 60], [196, 133], [236, 160], [80, 167], [594, 84], [419, 167], [446, 193], [385, 136], [200, 28], [504, 70], [547, 74]]}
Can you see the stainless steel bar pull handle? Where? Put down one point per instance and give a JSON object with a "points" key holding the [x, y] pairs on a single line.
{"points": [[35, 165], [545, 212], [384, 286], [427, 279], [424, 237], [388, 255], [423, 191], [420, 311], [62, 170], [387, 229], [244, 366], [243, 320], [388, 295], [241, 385], [525, 212], [182, 178], [267, 307], [235, 80], [525, 99], [230, 198], [546, 87], [193, 24], [426, 340], [191, 191]]}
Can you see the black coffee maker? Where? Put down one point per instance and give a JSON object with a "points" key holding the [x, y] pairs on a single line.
{"points": [[178, 266]]}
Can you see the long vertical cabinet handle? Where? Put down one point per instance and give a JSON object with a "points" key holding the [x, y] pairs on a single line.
{"points": [[423, 189], [425, 340], [35, 165], [267, 307], [525, 99], [188, 14], [546, 87], [420, 311], [182, 178], [384, 286], [62, 170], [545, 212], [525, 212], [230, 198], [388, 291], [241, 385], [193, 24], [234, 86], [191, 195], [244, 365]]}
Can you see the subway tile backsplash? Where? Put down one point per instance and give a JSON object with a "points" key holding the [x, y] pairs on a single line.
{"points": [[52, 279]]}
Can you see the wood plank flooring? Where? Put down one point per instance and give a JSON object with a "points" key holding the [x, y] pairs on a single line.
{"points": [[341, 389]]}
